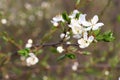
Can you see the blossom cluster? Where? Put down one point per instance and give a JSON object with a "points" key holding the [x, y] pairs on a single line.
{"points": [[80, 27], [31, 58]]}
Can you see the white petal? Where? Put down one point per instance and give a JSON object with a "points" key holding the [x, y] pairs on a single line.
{"points": [[77, 36], [82, 18], [95, 19], [73, 14], [86, 23], [85, 35], [75, 11], [60, 49], [88, 28], [97, 26], [54, 23], [80, 41], [28, 45], [31, 54], [62, 35], [30, 41], [84, 45], [90, 39]]}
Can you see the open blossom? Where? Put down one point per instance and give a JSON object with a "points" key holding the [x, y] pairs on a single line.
{"points": [[85, 41], [75, 26], [92, 24], [79, 27], [57, 19], [60, 49], [32, 59]]}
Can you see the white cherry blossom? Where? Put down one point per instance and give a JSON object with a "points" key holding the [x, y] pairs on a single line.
{"points": [[85, 41], [75, 26], [60, 49], [56, 20], [32, 59], [92, 24]]}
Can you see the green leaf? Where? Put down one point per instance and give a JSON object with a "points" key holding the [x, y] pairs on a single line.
{"points": [[108, 36], [99, 38], [77, 15], [96, 32], [24, 52], [65, 17], [5, 38], [61, 57], [71, 56]]}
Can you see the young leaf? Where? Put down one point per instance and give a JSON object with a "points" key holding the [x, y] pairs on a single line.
{"points": [[71, 56], [61, 57], [99, 37], [96, 32], [24, 52], [65, 17], [108, 36]]}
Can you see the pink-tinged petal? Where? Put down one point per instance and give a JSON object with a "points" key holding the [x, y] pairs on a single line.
{"points": [[97, 26], [95, 19]]}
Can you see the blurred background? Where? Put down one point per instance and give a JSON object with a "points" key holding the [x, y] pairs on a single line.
{"points": [[24, 19]]}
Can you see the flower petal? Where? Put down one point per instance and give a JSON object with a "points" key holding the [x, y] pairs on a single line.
{"points": [[82, 18], [95, 19], [96, 26], [86, 23], [85, 36], [88, 28], [90, 39], [77, 36]]}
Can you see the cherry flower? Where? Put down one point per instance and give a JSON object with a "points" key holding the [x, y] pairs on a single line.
{"points": [[75, 26], [85, 41], [60, 49], [56, 20], [32, 59], [92, 24]]}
